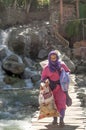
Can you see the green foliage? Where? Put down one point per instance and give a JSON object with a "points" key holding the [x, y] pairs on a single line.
{"points": [[40, 3], [34, 4], [82, 10], [73, 28], [21, 3], [7, 2], [43, 2]]}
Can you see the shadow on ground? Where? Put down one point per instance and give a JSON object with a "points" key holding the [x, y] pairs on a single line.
{"points": [[57, 127]]}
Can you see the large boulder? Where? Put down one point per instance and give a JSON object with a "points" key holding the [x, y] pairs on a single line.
{"points": [[17, 46], [13, 64], [14, 67]]}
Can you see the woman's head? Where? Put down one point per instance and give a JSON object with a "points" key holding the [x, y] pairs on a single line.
{"points": [[53, 59], [53, 56]]}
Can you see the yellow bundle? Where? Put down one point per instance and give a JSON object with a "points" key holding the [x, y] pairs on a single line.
{"points": [[47, 105]]}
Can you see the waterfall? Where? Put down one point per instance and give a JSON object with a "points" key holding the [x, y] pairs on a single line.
{"points": [[3, 37]]}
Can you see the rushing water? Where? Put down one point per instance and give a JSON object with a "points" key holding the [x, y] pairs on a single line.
{"points": [[13, 114]]}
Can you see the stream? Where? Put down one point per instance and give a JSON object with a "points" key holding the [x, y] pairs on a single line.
{"points": [[17, 101]]}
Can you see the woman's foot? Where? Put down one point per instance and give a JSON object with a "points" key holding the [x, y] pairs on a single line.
{"points": [[61, 123], [54, 121]]}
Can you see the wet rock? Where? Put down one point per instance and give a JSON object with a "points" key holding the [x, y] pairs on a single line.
{"points": [[13, 64], [10, 80], [28, 62], [29, 73], [13, 67], [35, 78], [29, 83], [6, 115], [12, 58]]}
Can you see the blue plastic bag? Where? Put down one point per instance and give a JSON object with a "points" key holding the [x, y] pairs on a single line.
{"points": [[64, 80]]}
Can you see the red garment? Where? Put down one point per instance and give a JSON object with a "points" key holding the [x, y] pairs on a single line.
{"points": [[60, 98], [59, 95]]}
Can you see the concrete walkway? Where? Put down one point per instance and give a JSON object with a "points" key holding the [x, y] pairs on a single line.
{"points": [[74, 117]]}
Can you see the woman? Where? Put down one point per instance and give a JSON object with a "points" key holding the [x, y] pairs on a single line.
{"points": [[52, 72]]}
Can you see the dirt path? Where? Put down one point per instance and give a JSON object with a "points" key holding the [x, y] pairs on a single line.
{"points": [[74, 118]]}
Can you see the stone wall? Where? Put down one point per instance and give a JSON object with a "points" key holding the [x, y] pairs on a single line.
{"points": [[11, 16]]}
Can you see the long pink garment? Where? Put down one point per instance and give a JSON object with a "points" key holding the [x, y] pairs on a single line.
{"points": [[59, 95]]}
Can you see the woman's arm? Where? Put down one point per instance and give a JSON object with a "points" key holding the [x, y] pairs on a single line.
{"points": [[63, 65], [44, 75]]}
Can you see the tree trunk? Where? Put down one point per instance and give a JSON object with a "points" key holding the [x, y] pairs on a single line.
{"points": [[77, 8], [15, 4], [61, 11], [25, 4], [28, 6]]}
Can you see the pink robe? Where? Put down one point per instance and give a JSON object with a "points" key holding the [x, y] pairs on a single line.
{"points": [[59, 95]]}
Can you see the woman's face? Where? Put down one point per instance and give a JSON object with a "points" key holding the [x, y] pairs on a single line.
{"points": [[53, 57]]}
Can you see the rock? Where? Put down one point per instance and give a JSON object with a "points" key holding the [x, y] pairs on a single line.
{"points": [[80, 95], [42, 54], [27, 73], [79, 44], [35, 45], [28, 62], [13, 64], [80, 49], [81, 69], [14, 67], [12, 58], [17, 46], [84, 101], [69, 63], [10, 80], [80, 52], [35, 78], [29, 83], [85, 80]]}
